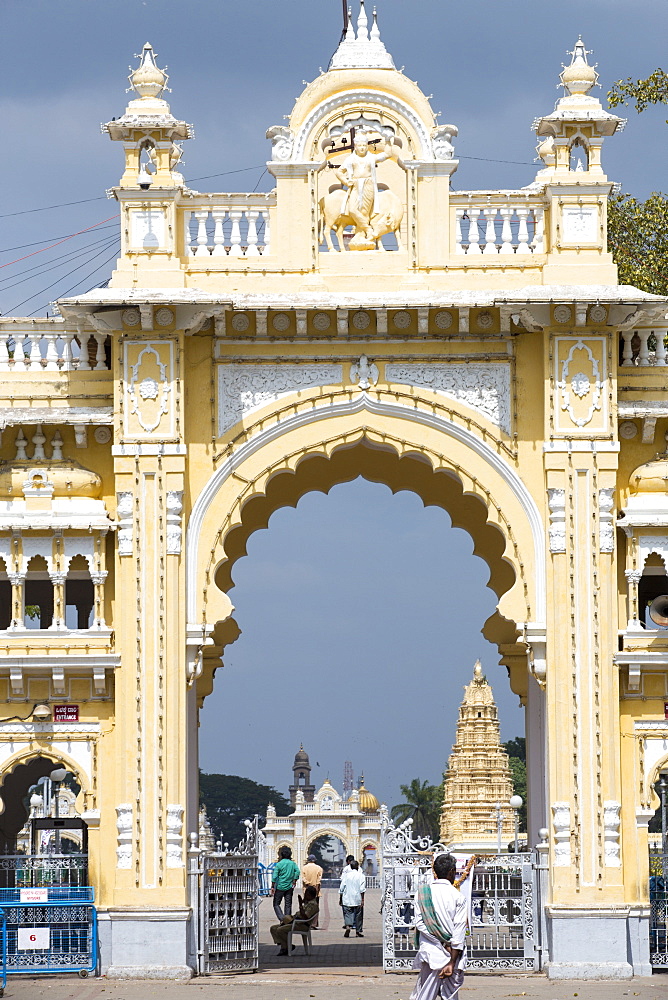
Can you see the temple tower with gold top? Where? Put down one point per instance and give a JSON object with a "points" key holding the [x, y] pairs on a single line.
{"points": [[477, 778]]}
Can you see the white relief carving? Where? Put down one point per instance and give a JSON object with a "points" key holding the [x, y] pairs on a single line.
{"points": [[243, 388], [484, 387], [577, 384], [148, 388], [598, 314], [402, 319], [174, 836], [147, 228], [361, 320], [580, 384], [280, 322], [102, 435], [327, 804], [579, 224], [240, 322], [649, 544], [164, 316], [282, 141], [628, 430], [147, 385], [443, 319], [321, 321], [124, 835], [606, 531], [124, 506], [611, 834], [131, 317], [561, 822], [364, 373], [174, 504], [562, 314], [440, 138], [556, 499]]}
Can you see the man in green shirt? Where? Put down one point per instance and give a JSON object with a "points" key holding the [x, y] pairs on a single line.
{"points": [[283, 882]]}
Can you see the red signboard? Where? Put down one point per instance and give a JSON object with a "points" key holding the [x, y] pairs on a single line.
{"points": [[65, 713], [665, 709]]}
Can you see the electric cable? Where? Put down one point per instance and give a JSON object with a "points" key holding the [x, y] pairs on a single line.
{"points": [[81, 281], [38, 243], [44, 249], [60, 262], [62, 278]]}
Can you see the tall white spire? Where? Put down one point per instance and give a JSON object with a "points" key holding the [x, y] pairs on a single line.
{"points": [[364, 49]]}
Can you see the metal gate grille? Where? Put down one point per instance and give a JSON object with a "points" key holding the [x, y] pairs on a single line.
{"points": [[658, 902], [503, 911], [228, 907]]}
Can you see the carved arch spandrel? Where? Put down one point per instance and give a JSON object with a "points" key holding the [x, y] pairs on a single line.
{"points": [[250, 492]]}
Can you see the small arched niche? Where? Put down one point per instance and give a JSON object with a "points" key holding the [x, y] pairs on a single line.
{"points": [[578, 157], [79, 595], [38, 603]]}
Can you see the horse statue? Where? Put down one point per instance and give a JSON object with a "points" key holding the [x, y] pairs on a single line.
{"points": [[386, 218]]}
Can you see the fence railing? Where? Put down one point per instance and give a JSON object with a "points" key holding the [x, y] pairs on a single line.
{"points": [[498, 224], [23, 871], [643, 348], [658, 902], [235, 226], [54, 351]]}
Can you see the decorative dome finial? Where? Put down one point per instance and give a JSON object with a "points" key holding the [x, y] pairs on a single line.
{"points": [[579, 77], [147, 79], [477, 671], [364, 50]]}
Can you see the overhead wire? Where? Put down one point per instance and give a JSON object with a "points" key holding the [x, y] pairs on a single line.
{"points": [[80, 282], [62, 278], [38, 243], [58, 243], [60, 262]]}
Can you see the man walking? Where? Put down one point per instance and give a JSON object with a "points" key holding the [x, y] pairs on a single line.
{"points": [[351, 897], [440, 917], [283, 882]]}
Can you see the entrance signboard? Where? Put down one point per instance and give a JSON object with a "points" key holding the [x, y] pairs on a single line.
{"points": [[65, 713]]}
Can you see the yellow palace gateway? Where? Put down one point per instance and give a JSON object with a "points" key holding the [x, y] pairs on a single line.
{"points": [[360, 319]]}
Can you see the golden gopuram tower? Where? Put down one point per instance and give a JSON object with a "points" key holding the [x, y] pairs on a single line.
{"points": [[477, 779], [361, 318]]}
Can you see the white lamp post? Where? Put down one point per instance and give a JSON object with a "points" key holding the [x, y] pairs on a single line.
{"points": [[516, 802], [57, 775]]}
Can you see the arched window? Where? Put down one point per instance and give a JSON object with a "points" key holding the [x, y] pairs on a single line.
{"points": [[79, 595], [38, 604], [579, 155], [653, 583], [5, 597]]}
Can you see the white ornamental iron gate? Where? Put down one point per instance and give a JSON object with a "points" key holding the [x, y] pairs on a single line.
{"points": [[505, 930], [225, 893], [658, 903]]}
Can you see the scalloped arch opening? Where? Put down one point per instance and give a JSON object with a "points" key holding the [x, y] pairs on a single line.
{"points": [[379, 464]]}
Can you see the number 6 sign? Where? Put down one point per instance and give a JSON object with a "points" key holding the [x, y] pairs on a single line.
{"points": [[33, 939]]}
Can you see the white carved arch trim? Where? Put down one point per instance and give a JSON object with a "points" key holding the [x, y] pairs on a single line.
{"points": [[654, 734], [37, 547], [6, 556], [335, 408], [74, 755], [75, 545], [364, 100], [653, 545], [326, 831]]}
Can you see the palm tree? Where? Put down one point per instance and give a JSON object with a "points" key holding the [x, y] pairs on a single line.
{"points": [[422, 805]]}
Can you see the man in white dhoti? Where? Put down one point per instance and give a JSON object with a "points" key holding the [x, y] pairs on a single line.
{"points": [[441, 918]]}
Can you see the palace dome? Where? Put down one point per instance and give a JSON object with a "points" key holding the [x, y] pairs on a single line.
{"points": [[301, 757], [651, 477], [368, 801]]}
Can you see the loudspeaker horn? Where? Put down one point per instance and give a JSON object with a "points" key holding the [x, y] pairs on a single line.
{"points": [[658, 610]]}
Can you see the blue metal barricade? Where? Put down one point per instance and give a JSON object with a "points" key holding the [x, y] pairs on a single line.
{"points": [[3, 951], [49, 929]]}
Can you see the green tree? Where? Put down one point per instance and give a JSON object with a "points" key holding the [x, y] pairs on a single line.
{"points": [[638, 240], [423, 805], [517, 754], [652, 90], [229, 800]]}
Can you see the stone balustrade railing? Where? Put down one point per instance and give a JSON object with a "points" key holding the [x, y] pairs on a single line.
{"points": [[643, 348], [498, 224], [57, 350], [232, 226]]}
